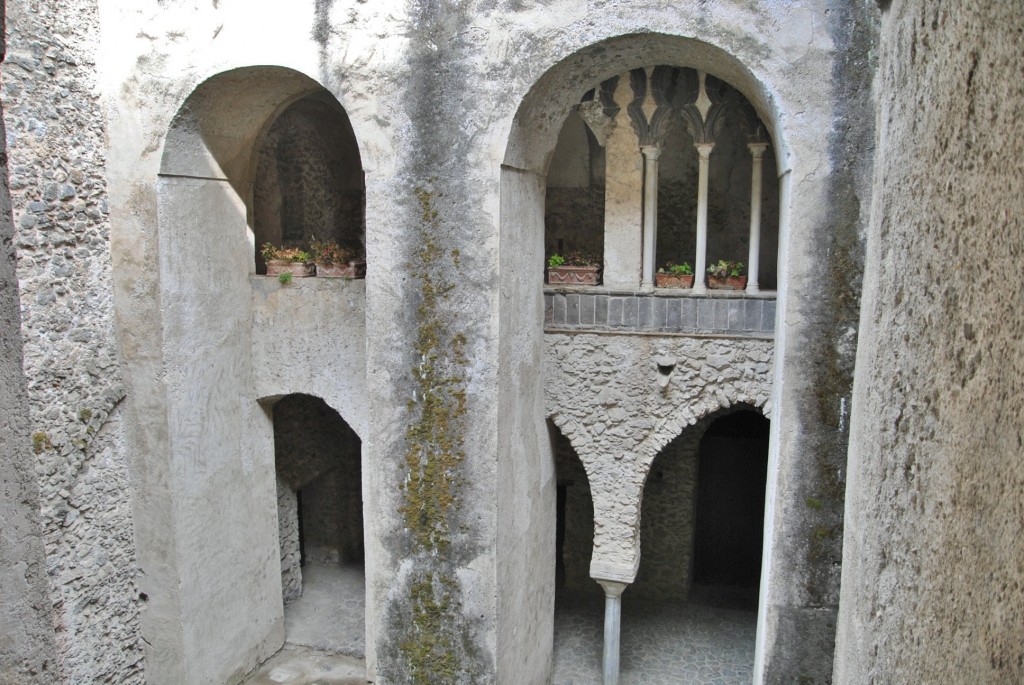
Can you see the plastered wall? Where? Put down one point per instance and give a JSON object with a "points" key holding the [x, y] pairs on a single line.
{"points": [[933, 566]]}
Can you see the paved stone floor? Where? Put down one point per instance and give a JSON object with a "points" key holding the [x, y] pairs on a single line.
{"points": [[295, 665], [662, 643], [704, 642], [331, 613]]}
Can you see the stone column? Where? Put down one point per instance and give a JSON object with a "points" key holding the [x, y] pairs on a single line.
{"points": [[753, 258], [700, 261], [651, 154], [612, 627], [623, 191]]}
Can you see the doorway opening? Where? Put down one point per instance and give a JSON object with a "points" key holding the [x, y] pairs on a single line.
{"points": [[731, 478], [320, 518]]}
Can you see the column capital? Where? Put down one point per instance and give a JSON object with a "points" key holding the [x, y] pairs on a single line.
{"points": [[612, 588], [704, 149], [651, 151], [757, 149]]}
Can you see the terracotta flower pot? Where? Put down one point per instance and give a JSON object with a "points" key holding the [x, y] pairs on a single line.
{"points": [[573, 275], [276, 267], [727, 283], [354, 269], [673, 280]]}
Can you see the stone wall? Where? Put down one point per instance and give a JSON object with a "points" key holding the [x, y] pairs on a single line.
{"points": [[55, 132], [933, 562], [577, 540], [27, 654], [574, 199], [288, 535], [668, 519]]}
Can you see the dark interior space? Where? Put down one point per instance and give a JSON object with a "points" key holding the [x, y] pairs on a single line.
{"points": [[732, 471], [574, 527], [309, 179], [320, 509]]}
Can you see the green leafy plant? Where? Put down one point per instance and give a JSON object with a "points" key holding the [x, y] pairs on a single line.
{"points": [[683, 269], [270, 252], [555, 261], [726, 268], [284, 278]]}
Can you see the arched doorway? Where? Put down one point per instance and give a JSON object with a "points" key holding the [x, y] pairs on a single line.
{"points": [[729, 504], [309, 180], [320, 524]]}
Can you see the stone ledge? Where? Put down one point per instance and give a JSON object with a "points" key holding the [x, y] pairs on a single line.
{"points": [[728, 313]]}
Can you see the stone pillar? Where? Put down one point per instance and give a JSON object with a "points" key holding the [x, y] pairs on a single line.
{"points": [[651, 154], [612, 628], [753, 258], [623, 192], [700, 260]]}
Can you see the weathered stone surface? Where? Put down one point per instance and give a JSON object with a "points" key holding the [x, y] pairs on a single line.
{"points": [[27, 651], [57, 159], [933, 563]]}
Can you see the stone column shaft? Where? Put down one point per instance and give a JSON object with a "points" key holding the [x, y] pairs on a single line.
{"points": [[651, 154], [754, 257], [612, 628], [700, 261]]}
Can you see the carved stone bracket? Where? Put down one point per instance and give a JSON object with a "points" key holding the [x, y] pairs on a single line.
{"points": [[701, 100], [598, 112], [651, 109]]}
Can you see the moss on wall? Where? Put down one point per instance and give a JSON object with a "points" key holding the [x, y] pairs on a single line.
{"points": [[434, 643]]}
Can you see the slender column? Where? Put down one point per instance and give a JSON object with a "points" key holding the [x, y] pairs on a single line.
{"points": [[651, 154], [700, 261], [612, 626], [753, 259]]}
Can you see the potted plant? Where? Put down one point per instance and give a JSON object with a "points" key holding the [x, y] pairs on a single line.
{"points": [[287, 260], [334, 261], [674, 276], [725, 275], [574, 268]]}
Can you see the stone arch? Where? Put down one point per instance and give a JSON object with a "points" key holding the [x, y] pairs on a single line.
{"points": [[530, 146], [318, 471], [709, 408], [700, 426], [539, 117]]}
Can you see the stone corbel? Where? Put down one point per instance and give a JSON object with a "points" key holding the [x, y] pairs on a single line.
{"points": [[701, 102], [651, 109], [599, 113]]}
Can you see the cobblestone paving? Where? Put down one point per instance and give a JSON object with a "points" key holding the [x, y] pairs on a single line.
{"points": [[662, 643]]}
